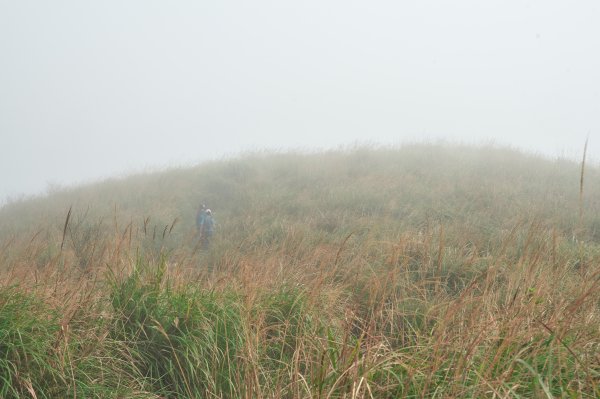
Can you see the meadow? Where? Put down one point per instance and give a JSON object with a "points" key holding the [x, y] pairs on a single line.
{"points": [[422, 271]]}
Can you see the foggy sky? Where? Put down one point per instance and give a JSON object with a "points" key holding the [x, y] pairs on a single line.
{"points": [[91, 89]]}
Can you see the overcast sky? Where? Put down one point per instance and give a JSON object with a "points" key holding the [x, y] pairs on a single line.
{"points": [[91, 89]]}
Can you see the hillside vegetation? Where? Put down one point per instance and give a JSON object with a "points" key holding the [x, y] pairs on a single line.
{"points": [[420, 271]]}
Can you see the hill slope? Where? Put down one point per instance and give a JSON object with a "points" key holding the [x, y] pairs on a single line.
{"points": [[417, 271], [489, 187]]}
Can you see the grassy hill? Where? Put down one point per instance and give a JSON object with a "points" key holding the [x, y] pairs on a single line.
{"points": [[420, 271]]}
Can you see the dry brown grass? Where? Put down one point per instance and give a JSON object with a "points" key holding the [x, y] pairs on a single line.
{"points": [[400, 300]]}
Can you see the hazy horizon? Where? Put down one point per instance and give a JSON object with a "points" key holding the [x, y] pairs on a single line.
{"points": [[94, 90]]}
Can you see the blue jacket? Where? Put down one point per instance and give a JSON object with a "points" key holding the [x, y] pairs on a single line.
{"points": [[200, 216], [205, 223]]}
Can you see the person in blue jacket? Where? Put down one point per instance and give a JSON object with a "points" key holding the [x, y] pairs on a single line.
{"points": [[200, 218], [205, 225]]}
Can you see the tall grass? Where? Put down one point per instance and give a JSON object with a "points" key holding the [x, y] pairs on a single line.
{"points": [[426, 271]]}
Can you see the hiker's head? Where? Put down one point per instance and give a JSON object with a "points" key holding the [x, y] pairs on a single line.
{"points": [[208, 212]]}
